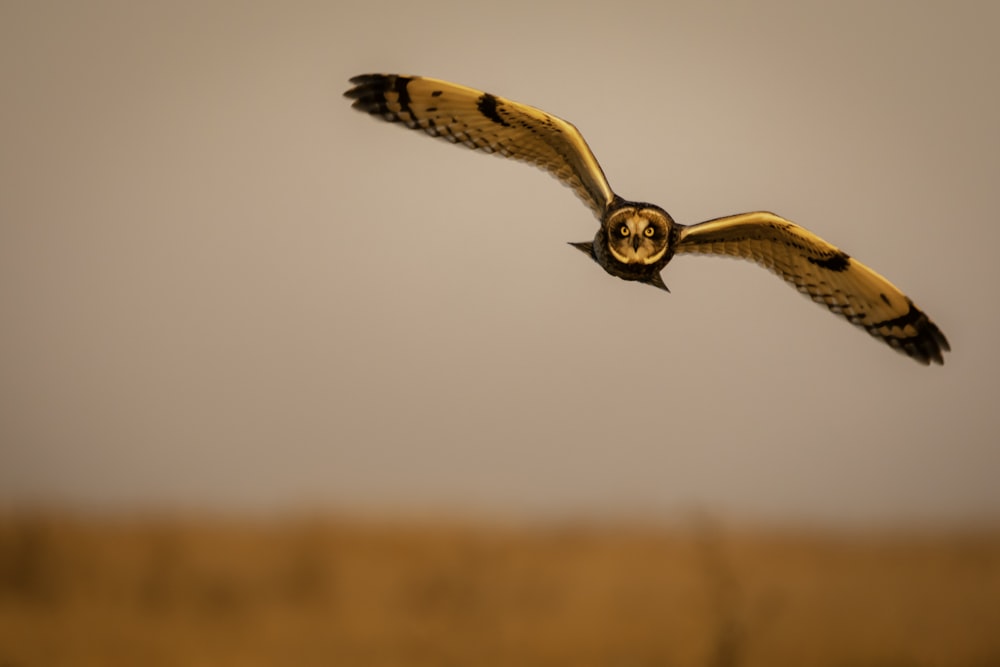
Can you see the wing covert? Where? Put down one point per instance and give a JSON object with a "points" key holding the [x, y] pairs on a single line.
{"points": [[824, 273], [485, 122]]}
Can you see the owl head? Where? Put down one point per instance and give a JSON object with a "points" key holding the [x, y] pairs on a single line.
{"points": [[635, 242], [639, 235]]}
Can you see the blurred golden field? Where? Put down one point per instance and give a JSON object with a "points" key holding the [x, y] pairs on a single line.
{"points": [[335, 591]]}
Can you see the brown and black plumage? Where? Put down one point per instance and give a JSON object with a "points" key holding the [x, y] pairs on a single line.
{"points": [[636, 240]]}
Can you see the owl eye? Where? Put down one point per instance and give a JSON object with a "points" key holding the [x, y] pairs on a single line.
{"points": [[649, 231], [623, 230]]}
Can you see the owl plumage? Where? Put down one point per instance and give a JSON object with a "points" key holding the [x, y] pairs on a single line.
{"points": [[635, 240]]}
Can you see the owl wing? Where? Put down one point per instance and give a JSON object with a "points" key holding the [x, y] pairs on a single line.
{"points": [[488, 123], [823, 272]]}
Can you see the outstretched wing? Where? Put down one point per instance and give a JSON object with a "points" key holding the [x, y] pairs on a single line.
{"points": [[488, 123], [823, 272]]}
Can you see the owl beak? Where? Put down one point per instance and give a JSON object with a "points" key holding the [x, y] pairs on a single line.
{"points": [[635, 242]]}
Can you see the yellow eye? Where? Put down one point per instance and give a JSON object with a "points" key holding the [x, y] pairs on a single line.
{"points": [[623, 230], [649, 232]]}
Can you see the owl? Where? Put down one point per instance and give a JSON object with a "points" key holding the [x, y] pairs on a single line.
{"points": [[636, 240]]}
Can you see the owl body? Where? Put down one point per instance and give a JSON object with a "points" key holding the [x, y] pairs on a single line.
{"points": [[635, 241]]}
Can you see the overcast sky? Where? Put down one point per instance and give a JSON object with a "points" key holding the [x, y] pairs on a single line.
{"points": [[222, 288]]}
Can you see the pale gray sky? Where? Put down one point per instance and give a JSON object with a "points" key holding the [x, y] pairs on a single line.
{"points": [[222, 288]]}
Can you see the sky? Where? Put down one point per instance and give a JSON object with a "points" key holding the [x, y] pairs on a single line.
{"points": [[222, 289]]}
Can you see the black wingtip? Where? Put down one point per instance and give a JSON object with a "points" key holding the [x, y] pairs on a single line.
{"points": [[360, 82], [926, 346], [369, 93], [930, 346], [363, 81]]}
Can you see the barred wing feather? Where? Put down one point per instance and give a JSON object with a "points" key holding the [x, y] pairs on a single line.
{"points": [[488, 123], [823, 272]]}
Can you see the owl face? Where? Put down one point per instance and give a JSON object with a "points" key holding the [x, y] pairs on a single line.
{"points": [[638, 236]]}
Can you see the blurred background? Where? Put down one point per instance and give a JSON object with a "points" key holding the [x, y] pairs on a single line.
{"points": [[282, 384]]}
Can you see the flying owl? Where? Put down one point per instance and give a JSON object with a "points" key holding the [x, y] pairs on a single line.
{"points": [[636, 240]]}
